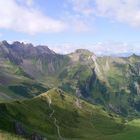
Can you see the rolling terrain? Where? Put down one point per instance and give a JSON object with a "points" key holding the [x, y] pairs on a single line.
{"points": [[57, 115], [78, 96]]}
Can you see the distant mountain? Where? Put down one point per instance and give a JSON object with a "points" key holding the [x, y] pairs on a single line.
{"points": [[79, 96], [113, 82]]}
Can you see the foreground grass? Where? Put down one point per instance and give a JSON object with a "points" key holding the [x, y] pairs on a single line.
{"points": [[8, 136]]}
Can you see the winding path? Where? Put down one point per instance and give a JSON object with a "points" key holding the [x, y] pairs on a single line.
{"points": [[55, 120]]}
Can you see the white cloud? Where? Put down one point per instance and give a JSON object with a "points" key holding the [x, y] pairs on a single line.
{"points": [[126, 11], [64, 48], [107, 48], [81, 26], [77, 15], [78, 23], [84, 7], [24, 19], [22, 16], [113, 48]]}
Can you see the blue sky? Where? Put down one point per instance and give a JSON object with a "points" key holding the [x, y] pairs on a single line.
{"points": [[108, 27]]}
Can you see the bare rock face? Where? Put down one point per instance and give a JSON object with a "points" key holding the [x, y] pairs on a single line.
{"points": [[19, 129], [24, 50], [36, 61], [36, 136]]}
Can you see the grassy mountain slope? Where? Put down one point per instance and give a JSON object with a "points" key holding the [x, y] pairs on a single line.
{"points": [[23, 90], [15, 83], [111, 82], [57, 115]]}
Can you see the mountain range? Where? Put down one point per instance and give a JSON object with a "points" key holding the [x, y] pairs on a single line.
{"points": [[78, 96]]}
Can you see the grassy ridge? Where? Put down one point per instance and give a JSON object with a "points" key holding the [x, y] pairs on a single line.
{"points": [[76, 119]]}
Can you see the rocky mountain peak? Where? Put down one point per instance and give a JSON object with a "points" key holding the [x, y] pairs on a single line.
{"points": [[4, 43], [44, 49], [83, 51], [134, 55], [25, 49], [81, 55], [21, 44]]}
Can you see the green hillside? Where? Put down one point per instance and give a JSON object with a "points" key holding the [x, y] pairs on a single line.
{"points": [[90, 98], [57, 115]]}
